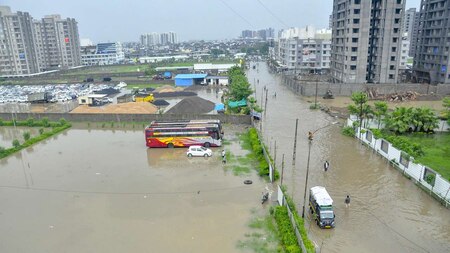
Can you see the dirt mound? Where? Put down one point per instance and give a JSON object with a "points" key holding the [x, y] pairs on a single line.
{"points": [[194, 105], [168, 88], [126, 108]]}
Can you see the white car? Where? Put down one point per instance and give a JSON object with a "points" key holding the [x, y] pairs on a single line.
{"points": [[198, 151]]}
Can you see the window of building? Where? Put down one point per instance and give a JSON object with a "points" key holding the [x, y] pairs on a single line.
{"points": [[355, 30], [355, 40], [394, 49], [354, 49], [356, 21], [397, 20], [395, 30], [353, 58], [391, 76], [356, 11], [352, 67], [392, 58], [399, 1], [392, 67], [357, 1], [398, 11]]}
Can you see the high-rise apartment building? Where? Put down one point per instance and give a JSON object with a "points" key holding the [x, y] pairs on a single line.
{"points": [[17, 47], [366, 40], [156, 39], [58, 42], [409, 28], [432, 56], [29, 46]]}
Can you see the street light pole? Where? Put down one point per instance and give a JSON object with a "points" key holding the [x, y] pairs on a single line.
{"points": [[310, 139], [307, 173]]}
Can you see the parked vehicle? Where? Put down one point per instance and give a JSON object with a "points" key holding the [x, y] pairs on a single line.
{"points": [[321, 206], [182, 136], [40, 97], [198, 151]]}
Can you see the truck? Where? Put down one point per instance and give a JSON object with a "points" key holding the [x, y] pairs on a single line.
{"points": [[321, 206], [40, 97]]}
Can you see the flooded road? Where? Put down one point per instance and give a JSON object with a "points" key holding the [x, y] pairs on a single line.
{"points": [[388, 213], [104, 191]]}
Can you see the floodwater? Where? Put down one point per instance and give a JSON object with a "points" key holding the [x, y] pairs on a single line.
{"points": [[104, 191], [388, 213], [10, 133]]}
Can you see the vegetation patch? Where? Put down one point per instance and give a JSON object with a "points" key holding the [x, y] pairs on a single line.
{"points": [[250, 141], [436, 151], [57, 127], [264, 239], [286, 231]]}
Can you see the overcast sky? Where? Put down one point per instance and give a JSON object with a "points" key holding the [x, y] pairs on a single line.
{"points": [[125, 20]]}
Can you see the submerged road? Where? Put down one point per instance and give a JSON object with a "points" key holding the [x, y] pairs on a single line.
{"points": [[388, 213]]}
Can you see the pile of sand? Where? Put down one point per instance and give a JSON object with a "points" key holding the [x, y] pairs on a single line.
{"points": [[168, 88], [194, 105], [123, 108]]}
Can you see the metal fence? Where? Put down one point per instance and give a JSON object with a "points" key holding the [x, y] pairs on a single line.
{"points": [[428, 179]]}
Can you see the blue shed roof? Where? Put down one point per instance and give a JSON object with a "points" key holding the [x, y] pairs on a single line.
{"points": [[190, 76]]}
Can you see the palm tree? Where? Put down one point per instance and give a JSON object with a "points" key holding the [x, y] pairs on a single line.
{"points": [[399, 120]]}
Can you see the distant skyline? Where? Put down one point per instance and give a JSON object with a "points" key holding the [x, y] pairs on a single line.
{"points": [[118, 20]]}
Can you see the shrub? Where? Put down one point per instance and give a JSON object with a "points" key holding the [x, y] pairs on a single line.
{"points": [[285, 230], [30, 122], [26, 136], [41, 130], [349, 131], [45, 122], [16, 143], [62, 121]]}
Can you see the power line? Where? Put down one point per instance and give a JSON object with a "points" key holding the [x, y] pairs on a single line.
{"points": [[273, 14], [235, 12]]}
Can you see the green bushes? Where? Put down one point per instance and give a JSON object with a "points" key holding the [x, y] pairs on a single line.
{"points": [[349, 131], [57, 127], [257, 149], [285, 231], [299, 221], [402, 143]]}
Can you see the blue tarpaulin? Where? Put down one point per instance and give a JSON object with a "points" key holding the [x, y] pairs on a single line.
{"points": [[239, 103], [219, 107]]}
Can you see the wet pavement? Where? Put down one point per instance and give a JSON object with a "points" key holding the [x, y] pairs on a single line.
{"points": [[388, 213], [102, 190]]}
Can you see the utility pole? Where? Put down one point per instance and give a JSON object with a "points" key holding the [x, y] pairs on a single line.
{"points": [[307, 172], [275, 154], [293, 157], [315, 99], [282, 170], [265, 103]]}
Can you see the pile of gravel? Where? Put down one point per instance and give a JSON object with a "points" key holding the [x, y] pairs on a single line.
{"points": [[107, 91], [194, 105], [161, 102], [174, 94]]}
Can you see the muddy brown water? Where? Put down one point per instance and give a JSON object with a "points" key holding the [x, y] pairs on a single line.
{"points": [[104, 191], [388, 213]]}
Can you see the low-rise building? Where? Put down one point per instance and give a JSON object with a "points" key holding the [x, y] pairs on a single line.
{"points": [[104, 54]]}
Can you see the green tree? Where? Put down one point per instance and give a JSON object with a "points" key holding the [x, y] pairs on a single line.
{"points": [[446, 104], [239, 87], [399, 120], [423, 120], [380, 111], [360, 106]]}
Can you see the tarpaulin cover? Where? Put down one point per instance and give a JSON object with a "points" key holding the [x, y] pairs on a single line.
{"points": [[240, 103], [219, 107]]}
